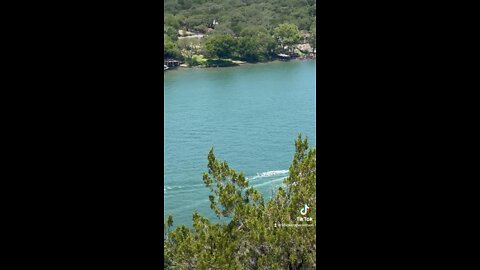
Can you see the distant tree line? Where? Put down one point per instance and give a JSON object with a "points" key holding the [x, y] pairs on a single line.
{"points": [[248, 30], [236, 15]]}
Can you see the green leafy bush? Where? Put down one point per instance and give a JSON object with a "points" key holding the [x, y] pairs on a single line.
{"points": [[220, 63], [198, 60]]}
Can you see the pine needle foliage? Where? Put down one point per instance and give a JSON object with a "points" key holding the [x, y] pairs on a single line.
{"points": [[254, 236]]}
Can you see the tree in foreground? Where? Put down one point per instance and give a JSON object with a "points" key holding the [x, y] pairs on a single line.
{"points": [[253, 237]]}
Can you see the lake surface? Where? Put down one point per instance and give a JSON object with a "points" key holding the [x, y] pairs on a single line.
{"points": [[250, 114]]}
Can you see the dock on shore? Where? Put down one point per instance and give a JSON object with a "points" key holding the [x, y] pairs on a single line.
{"points": [[170, 63]]}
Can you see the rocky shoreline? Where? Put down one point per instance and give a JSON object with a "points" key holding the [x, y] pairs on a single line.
{"points": [[241, 63]]}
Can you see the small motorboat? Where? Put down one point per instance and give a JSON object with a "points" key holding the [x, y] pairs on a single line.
{"points": [[165, 67]]}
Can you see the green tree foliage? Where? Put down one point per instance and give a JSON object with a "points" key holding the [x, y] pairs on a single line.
{"points": [[248, 238], [171, 20], [249, 49], [170, 49], [220, 46], [268, 17], [238, 14], [288, 35], [255, 44], [188, 48], [170, 32]]}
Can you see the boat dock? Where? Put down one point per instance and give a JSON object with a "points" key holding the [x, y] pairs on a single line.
{"points": [[170, 63]]}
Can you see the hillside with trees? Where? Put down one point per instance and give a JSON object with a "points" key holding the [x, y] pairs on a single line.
{"points": [[250, 234], [196, 31]]}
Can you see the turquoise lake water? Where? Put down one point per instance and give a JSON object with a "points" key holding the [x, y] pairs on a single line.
{"points": [[250, 114]]}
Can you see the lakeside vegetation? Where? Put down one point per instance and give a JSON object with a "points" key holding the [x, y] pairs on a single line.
{"points": [[218, 32], [253, 237], [251, 230]]}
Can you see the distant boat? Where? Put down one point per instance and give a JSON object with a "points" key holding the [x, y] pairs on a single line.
{"points": [[165, 67]]}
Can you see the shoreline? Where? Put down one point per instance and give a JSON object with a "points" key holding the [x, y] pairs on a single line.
{"points": [[241, 63]]}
